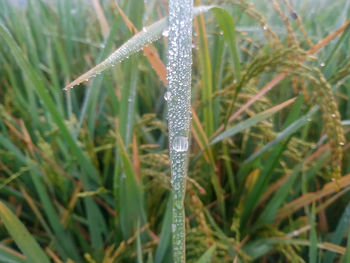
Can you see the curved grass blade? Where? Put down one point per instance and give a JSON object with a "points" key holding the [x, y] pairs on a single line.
{"points": [[133, 45], [22, 237]]}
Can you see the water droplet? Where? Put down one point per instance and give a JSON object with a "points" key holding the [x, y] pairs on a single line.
{"points": [[341, 143], [180, 144], [87, 79], [265, 27], [333, 115], [165, 32], [167, 95], [333, 179], [178, 204], [221, 33], [323, 64], [144, 29]]}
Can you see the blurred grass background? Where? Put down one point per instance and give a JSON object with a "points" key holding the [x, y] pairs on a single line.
{"points": [[87, 171]]}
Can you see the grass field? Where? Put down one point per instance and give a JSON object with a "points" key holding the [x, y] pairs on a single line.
{"points": [[85, 172]]}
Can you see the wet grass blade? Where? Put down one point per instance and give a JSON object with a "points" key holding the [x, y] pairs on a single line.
{"points": [[136, 43]]}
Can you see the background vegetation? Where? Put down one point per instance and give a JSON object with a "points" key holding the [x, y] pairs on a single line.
{"points": [[87, 170]]}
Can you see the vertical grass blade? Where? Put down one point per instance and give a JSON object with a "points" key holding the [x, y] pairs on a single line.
{"points": [[179, 100], [165, 235], [347, 253], [228, 27]]}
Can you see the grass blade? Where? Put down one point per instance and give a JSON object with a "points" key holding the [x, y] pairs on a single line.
{"points": [[284, 134], [347, 253], [10, 256], [207, 256], [165, 236], [228, 27], [23, 238], [136, 43], [250, 122]]}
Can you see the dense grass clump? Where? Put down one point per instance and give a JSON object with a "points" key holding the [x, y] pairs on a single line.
{"points": [[85, 173]]}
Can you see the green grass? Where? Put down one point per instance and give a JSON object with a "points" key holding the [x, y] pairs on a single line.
{"points": [[85, 174]]}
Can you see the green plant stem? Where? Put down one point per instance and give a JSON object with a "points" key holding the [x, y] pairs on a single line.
{"points": [[179, 99]]}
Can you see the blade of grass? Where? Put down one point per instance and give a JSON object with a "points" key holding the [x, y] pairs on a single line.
{"points": [[101, 18], [179, 74], [10, 256], [278, 78], [261, 183], [129, 193], [90, 174], [206, 75], [68, 246], [347, 254], [313, 237], [338, 235], [207, 256], [164, 244], [22, 237], [133, 45], [312, 196], [284, 134], [227, 25], [250, 122]]}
